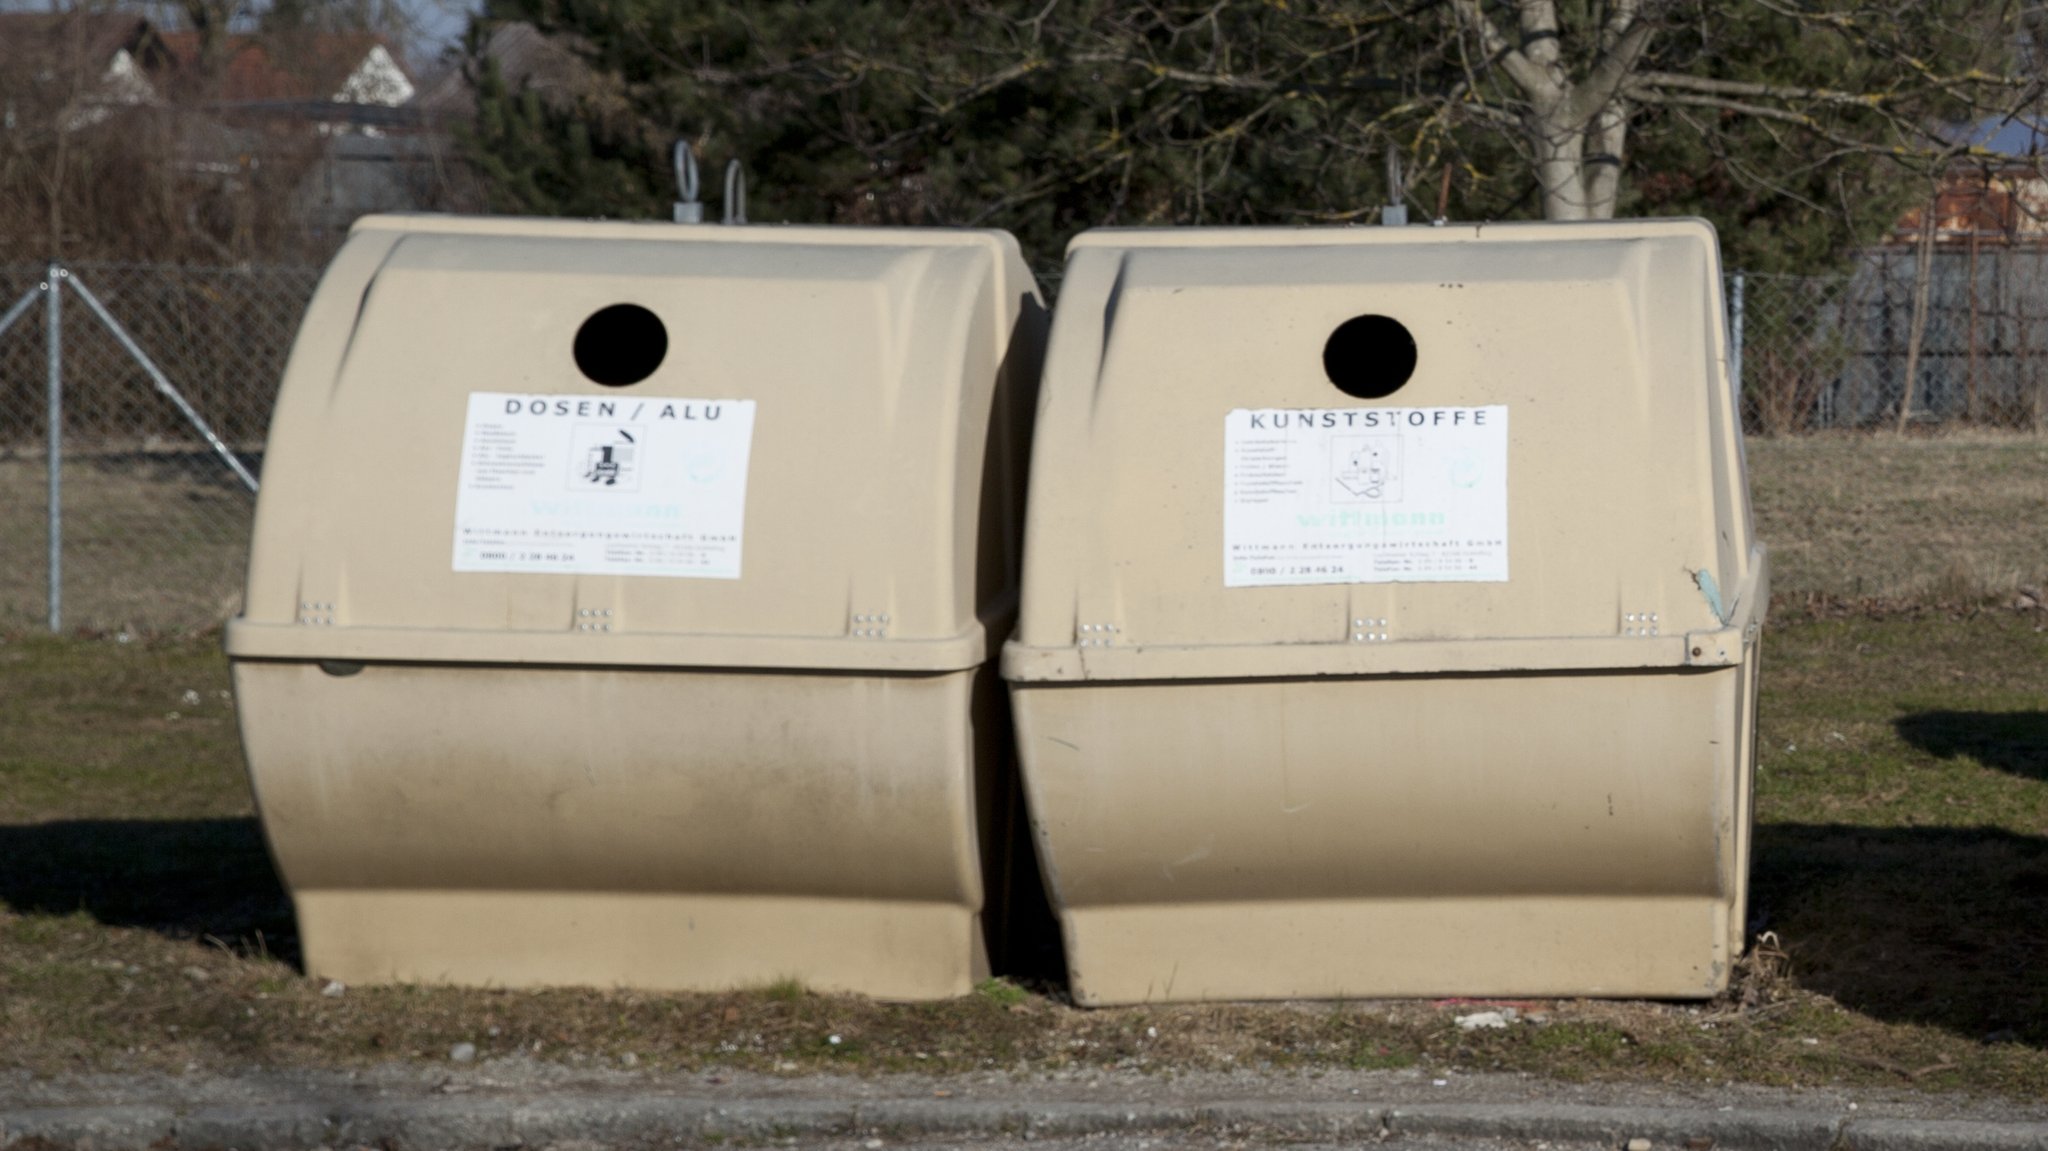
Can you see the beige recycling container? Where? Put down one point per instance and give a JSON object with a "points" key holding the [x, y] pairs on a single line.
{"points": [[621, 602], [1390, 614]]}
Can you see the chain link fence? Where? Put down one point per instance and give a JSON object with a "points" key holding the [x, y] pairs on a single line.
{"points": [[1833, 353], [1866, 488], [1950, 502], [153, 517]]}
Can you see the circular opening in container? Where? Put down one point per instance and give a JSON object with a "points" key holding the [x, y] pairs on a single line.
{"points": [[1369, 357], [621, 345]]}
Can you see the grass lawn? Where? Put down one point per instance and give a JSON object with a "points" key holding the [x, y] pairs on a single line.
{"points": [[1901, 870], [1876, 516], [156, 538]]}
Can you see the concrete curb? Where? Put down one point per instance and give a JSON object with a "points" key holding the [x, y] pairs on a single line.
{"points": [[616, 1120]]}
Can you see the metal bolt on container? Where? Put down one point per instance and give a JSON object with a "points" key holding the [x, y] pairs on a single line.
{"points": [[1390, 614], [621, 602]]}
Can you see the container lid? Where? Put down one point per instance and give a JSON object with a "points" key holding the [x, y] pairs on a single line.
{"points": [[527, 441], [1362, 451]]}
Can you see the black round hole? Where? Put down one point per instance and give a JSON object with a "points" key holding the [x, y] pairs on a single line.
{"points": [[1369, 357], [621, 345]]}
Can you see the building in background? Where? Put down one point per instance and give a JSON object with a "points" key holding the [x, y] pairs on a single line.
{"points": [[2000, 203], [269, 155]]}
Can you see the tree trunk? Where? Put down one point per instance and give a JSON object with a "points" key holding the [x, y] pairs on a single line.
{"points": [[1607, 137], [1923, 276], [209, 19], [1566, 115], [1560, 148], [1579, 165]]}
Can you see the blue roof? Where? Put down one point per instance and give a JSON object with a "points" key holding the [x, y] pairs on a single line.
{"points": [[2022, 135]]}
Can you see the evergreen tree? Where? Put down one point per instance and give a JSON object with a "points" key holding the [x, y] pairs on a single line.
{"points": [[1799, 130]]}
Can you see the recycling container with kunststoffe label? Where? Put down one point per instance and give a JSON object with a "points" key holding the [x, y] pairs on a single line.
{"points": [[1390, 614], [621, 599]]}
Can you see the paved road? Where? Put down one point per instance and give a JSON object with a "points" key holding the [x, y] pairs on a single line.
{"points": [[523, 1104]]}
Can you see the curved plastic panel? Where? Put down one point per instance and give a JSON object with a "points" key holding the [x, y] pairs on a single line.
{"points": [[620, 601], [878, 496], [1600, 347], [1390, 615]]}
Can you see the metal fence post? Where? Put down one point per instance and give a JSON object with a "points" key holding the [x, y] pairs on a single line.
{"points": [[1735, 340], [164, 386], [53, 319]]}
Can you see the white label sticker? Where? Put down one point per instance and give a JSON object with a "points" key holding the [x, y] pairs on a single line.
{"points": [[601, 486], [1365, 495]]}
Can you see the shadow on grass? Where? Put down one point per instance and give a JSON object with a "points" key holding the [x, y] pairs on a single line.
{"points": [[1945, 927], [187, 878], [2010, 741]]}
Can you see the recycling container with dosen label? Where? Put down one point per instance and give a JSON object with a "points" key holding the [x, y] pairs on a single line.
{"points": [[1390, 614], [622, 598]]}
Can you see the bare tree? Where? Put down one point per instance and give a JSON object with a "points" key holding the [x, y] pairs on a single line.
{"points": [[211, 20], [1576, 126], [1047, 116], [1921, 77]]}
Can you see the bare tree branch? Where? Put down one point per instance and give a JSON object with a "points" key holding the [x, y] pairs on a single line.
{"points": [[1605, 79], [1532, 79]]}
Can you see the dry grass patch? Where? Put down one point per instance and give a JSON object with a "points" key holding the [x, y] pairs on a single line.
{"points": [[154, 540], [1877, 516]]}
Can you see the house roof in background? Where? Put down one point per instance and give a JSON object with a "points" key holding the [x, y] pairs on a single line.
{"points": [[291, 67], [2015, 136], [82, 39], [2007, 205]]}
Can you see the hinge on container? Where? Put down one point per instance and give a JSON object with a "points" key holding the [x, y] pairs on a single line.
{"points": [[593, 619], [1640, 623], [869, 625], [312, 614], [1710, 648]]}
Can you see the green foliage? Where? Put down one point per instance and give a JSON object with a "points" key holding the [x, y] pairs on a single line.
{"points": [[1001, 992], [542, 161], [859, 112], [1046, 120], [786, 990]]}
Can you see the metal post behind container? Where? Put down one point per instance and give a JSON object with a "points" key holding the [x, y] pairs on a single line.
{"points": [[735, 192], [53, 329], [688, 209], [12, 314], [164, 385]]}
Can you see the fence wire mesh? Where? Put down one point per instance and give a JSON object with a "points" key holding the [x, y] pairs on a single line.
{"points": [[1864, 489], [1951, 501], [154, 523], [1833, 353]]}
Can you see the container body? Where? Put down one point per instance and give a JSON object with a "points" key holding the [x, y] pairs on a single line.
{"points": [[1340, 679], [1485, 835], [649, 651], [641, 827]]}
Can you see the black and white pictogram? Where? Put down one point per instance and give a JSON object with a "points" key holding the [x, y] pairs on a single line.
{"points": [[605, 457], [1365, 469]]}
